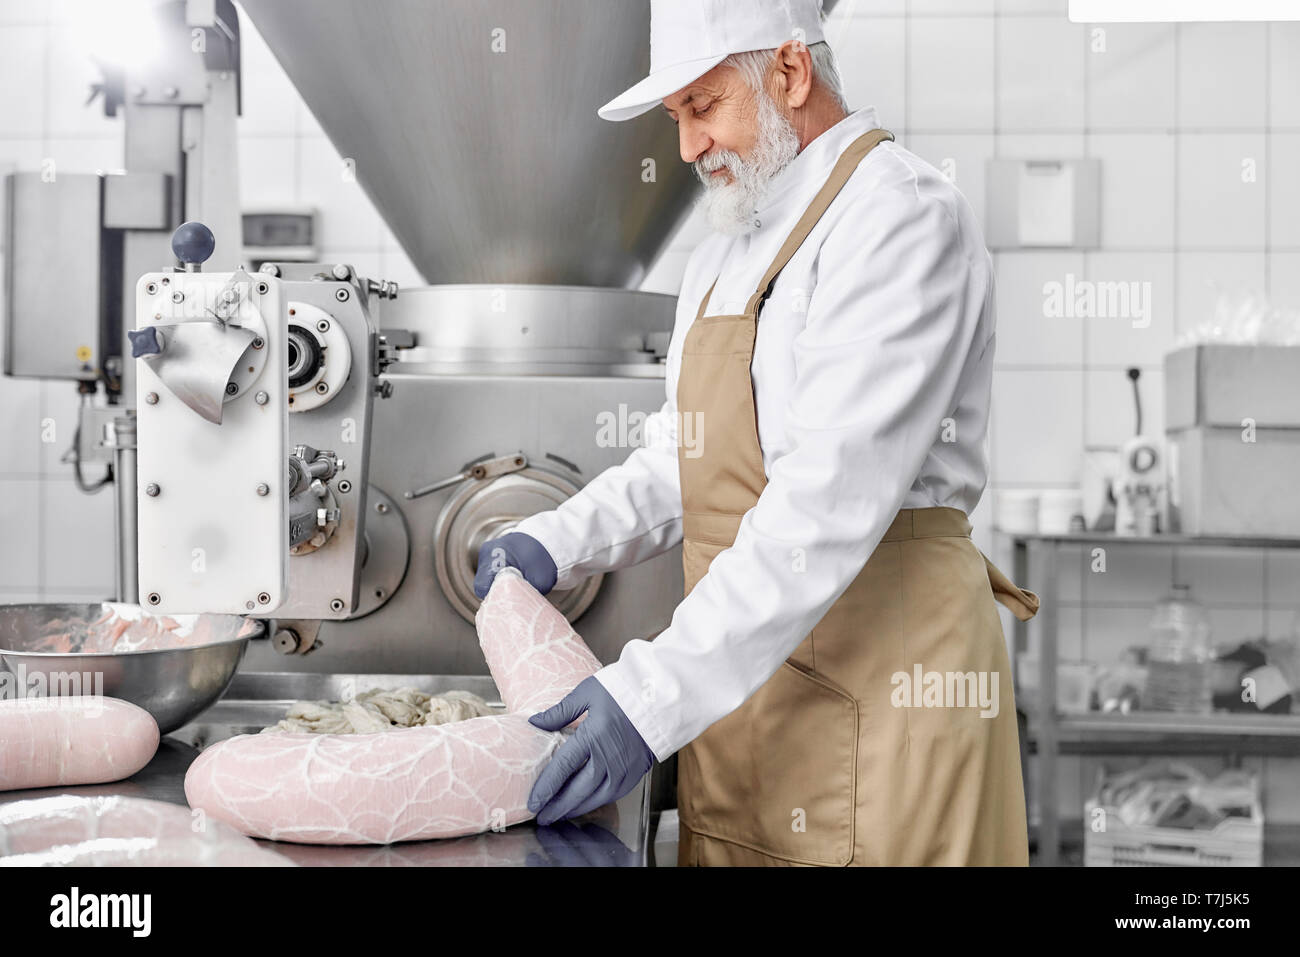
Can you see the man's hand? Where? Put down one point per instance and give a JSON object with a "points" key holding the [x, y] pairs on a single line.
{"points": [[602, 761], [515, 550]]}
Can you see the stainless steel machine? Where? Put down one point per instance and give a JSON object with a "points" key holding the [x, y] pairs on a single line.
{"points": [[315, 447]]}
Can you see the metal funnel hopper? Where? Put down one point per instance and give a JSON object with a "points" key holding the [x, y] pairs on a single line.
{"points": [[473, 127]]}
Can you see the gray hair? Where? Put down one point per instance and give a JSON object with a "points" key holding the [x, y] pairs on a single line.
{"points": [[754, 64]]}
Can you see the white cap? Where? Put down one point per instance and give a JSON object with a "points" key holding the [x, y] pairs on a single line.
{"points": [[688, 38]]}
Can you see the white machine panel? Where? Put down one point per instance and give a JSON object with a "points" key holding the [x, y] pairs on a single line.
{"points": [[212, 412]]}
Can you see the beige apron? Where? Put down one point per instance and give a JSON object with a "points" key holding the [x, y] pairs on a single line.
{"points": [[819, 766]]}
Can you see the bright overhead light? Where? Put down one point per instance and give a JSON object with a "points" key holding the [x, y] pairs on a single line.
{"points": [[1166, 11]]}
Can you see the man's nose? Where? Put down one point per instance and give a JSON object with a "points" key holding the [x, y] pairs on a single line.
{"points": [[694, 142]]}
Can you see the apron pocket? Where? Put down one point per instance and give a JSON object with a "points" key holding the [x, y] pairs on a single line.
{"points": [[799, 754]]}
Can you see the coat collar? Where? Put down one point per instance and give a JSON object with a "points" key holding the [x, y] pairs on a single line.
{"points": [[808, 171]]}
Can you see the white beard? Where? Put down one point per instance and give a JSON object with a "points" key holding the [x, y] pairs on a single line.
{"points": [[730, 207]]}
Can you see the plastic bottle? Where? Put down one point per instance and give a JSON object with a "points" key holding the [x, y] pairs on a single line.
{"points": [[1180, 657]]}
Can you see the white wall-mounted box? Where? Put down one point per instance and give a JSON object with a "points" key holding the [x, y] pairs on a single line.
{"points": [[1043, 204]]}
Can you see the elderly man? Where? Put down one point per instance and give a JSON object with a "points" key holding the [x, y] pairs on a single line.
{"points": [[835, 681]]}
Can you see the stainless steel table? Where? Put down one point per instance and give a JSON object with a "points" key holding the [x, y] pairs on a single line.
{"points": [[616, 835]]}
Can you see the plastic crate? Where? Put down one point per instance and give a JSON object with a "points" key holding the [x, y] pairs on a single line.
{"points": [[1234, 842]]}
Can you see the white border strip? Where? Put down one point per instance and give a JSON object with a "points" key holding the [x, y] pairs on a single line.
{"points": [[1166, 11]]}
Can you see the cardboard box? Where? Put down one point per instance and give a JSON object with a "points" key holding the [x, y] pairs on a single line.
{"points": [[1222, 484], [1232, 421], [1222, 385]]}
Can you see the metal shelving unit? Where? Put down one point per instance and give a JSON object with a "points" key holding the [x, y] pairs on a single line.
{"points": [[1052, 734]]}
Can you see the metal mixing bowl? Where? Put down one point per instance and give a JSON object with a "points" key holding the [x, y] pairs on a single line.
{"points": [[174, 685]]}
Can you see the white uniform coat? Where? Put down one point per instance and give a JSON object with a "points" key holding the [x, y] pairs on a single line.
{"points": [[871, 371]]}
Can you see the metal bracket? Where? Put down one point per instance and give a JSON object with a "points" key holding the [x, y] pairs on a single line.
{"points": [[483, 469], [295, 636]]}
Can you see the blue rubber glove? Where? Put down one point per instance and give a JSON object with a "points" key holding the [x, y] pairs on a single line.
{"points": [[602, 760], [514, 550]]}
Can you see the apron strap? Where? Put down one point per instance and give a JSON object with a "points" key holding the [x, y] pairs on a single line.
{"points": [[844, 168], [704, 302]]}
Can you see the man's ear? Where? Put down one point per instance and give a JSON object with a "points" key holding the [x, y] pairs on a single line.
{"points": [[793, 65]]}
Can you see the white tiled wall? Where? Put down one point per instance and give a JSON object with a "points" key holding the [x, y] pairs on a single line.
{"points": [[1171, 111]]}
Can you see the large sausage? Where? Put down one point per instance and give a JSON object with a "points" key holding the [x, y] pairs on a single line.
{"points": [[51, 742], [116, 831], [408, 785]]}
